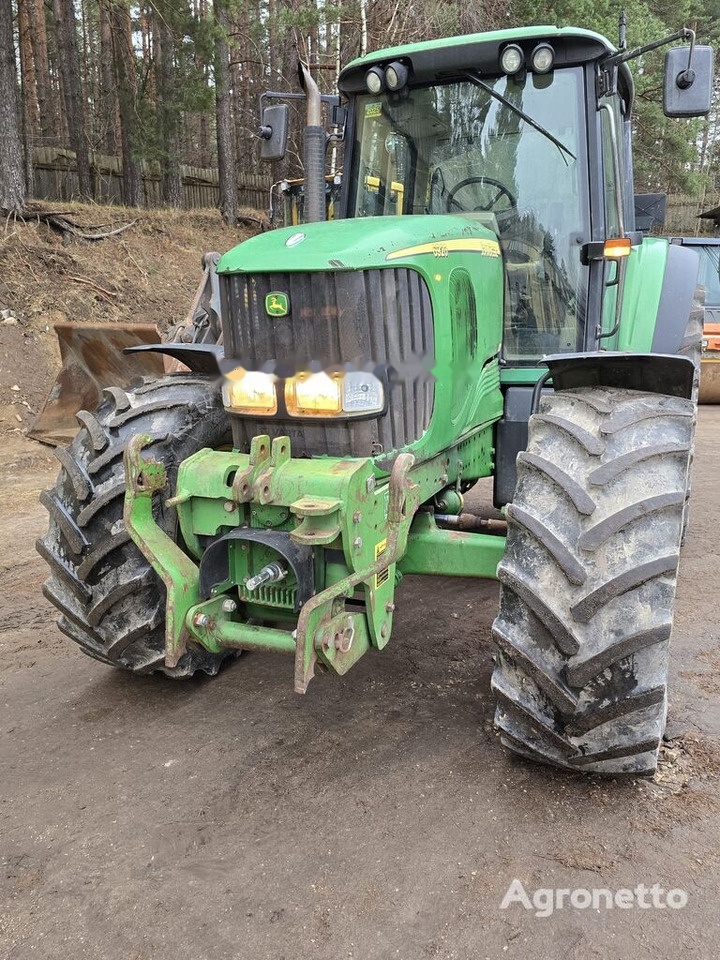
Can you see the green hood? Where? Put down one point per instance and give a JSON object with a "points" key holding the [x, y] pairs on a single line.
{"points": [[356, 244]]}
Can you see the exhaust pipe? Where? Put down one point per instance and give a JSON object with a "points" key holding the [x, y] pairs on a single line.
{"points": [[314, 153]]}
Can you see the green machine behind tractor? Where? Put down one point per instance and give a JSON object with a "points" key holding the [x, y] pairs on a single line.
{"points": [[481, 306]]}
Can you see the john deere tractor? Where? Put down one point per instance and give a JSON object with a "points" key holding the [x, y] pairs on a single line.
{"points": [[481, 306]]}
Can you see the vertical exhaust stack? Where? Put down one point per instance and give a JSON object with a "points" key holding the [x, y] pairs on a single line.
{"points": [[314, 153]]}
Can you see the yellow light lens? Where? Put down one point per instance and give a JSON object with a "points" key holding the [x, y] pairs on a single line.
{"points": [[619, 247], [318, 394], [249, 391]]}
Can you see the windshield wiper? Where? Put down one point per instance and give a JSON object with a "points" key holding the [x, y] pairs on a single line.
{"points": [[474, 78]]}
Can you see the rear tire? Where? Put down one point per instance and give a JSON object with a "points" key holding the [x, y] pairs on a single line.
{"points": [[111, 601], [588, 580]]}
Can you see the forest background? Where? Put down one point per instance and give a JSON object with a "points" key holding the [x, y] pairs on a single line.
{"points": [[170, 84]]}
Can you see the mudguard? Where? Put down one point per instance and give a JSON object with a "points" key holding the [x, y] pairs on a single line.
{"points": [[652, 372], [658, 294], [205, 358]]}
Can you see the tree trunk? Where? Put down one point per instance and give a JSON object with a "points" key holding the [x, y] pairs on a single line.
{"points": [[68, 63], [246, 119], [124, 69], [27, 70], [29, 94], [47, 104], [223, 107], [12, 178], [292, 165], [167, 112], [108, 88]]}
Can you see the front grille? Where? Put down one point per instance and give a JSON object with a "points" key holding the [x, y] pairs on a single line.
{"points": [[360, 317]]}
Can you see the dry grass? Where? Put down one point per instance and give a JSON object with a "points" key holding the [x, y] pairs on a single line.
{"points": [[147, 273]]}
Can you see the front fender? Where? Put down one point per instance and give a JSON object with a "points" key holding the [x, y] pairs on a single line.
{"points": [[658, 294], [651, 372]]}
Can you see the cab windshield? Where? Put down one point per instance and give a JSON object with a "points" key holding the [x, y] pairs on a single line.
{"points": [[455, 148]]}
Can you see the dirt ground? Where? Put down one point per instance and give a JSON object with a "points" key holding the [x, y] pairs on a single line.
{"points": [[375, 818]]}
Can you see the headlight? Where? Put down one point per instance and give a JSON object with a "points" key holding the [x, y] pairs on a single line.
{"points": [[396, 76], [542, 58], [333, 394], [375, 80], [323, 394], [314, 393], [512, 59], [249, 391]]}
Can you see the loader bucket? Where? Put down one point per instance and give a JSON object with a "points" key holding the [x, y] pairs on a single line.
{"points": [[92, 359], [710, 363]]}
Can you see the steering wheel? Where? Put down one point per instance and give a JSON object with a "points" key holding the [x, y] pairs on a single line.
{"points": [[502, 192]]}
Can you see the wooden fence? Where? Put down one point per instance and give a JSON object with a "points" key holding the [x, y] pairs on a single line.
{"points": [[55, 178], [682, 216]]}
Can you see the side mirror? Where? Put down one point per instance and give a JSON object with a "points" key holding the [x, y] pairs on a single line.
{"points": [[274, 132], [649, 211], [687, 86]]}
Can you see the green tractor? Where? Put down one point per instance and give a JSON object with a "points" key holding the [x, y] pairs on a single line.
{"points": [[480, 307]]}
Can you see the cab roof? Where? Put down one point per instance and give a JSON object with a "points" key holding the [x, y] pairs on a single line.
{"points": [[436, 60]]}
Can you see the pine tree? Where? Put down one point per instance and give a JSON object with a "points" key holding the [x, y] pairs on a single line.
{"points": [[69, 68], [225, 145], [12, 179]]}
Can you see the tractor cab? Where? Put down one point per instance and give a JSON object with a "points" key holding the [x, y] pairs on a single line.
{"points": [[527, 131]]}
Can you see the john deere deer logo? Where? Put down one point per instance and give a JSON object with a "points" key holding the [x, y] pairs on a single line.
{"points": [[277, 304]]}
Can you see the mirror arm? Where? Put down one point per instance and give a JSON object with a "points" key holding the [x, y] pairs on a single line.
{"points": [[684, 34], [687, 77], [331, 99]]}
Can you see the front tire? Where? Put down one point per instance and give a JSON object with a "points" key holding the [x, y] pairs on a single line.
{"points": [[111, 601], [588, 580]]}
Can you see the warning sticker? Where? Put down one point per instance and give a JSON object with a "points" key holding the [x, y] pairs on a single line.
{"points": [[382, 577]]}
